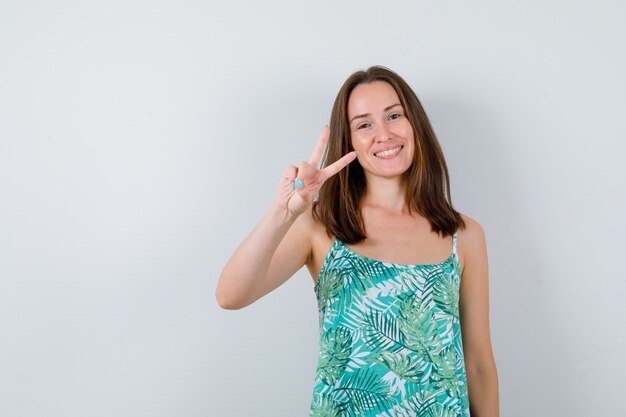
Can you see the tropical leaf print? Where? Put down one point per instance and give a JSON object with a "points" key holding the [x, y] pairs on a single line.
{"points": [[334, 355], [329, 288], [418, 326], [403, 365], [358, 358], [363, 393], [440, 410], [446, 295], [325, 406], [390, 338], [381, 332], [384, 289], [444, 374], [417, 403]]}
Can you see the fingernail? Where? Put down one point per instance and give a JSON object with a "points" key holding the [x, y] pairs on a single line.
{"points": [[299, 183]]}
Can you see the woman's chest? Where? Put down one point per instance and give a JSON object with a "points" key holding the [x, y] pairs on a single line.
{"points": [[402, 241]]}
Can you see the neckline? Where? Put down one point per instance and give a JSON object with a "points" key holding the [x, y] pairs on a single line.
{"points": [[398, 265], [338, 242]]}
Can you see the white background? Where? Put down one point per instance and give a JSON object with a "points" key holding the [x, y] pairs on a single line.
{"points": [[141, 141]]}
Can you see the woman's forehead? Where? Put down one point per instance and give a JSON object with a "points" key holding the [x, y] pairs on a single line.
{"points": [[371, 97]]}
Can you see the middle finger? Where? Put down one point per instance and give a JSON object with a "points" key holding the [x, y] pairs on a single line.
{"points": [[319, 147]]}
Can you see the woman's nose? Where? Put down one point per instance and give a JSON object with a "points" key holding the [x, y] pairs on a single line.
{"points": [[383, 133]]}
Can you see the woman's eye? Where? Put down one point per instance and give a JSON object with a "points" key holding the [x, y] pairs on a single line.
{"points": [[362, 125], [394, 116]]}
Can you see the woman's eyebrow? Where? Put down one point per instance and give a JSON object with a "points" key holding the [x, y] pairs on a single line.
{"points": [[361, 116]]}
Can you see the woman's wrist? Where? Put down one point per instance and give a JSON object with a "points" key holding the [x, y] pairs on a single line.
{"points": [[282, 215]]}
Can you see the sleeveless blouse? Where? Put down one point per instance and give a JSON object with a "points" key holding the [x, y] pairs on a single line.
{"points": [[390, 338]]}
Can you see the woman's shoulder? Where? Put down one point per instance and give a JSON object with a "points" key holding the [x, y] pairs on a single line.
{"points": [[471, 239], [473, 229]]}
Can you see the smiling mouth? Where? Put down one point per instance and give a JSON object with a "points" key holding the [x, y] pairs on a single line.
{"points": [[388, 153]]}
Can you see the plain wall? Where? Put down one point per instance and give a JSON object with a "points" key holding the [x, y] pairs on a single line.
{"points": [[141, 141]]}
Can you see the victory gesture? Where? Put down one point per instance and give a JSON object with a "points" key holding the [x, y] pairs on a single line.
{"points": [[300, 185]]}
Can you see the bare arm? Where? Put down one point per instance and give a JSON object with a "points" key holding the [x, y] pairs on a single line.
{"points": [[247, 275], [482, 375], [280, 244]]}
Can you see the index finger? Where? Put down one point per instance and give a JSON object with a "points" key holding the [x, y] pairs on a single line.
{"points": [[319, 148], [339, 164]]}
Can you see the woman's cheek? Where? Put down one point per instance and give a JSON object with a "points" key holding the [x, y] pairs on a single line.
{"points": [[360, 140]]}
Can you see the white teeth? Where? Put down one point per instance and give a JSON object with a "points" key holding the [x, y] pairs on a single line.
{"points": [[389, 152]]}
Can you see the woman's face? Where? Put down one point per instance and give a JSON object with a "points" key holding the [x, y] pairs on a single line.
{"points": [[380, 130]]}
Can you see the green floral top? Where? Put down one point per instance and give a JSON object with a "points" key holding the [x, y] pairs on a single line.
{"points": [[390, 338]]}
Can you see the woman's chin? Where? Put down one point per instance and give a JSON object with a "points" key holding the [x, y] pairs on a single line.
{"points": [[389, 173]]}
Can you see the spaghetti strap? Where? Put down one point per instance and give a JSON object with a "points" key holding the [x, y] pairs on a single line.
{"points": [[454, 243]]}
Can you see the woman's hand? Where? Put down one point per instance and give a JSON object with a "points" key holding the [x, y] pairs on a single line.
{"points": [[269, 255], [300, 185]]}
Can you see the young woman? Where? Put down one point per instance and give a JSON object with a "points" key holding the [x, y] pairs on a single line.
{"points": [[400, 276]]}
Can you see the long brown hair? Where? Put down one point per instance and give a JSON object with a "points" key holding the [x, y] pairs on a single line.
{"points": [[428, 184]]}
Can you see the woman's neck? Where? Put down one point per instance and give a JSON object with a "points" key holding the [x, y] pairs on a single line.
{"points": [[386, 193]]}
